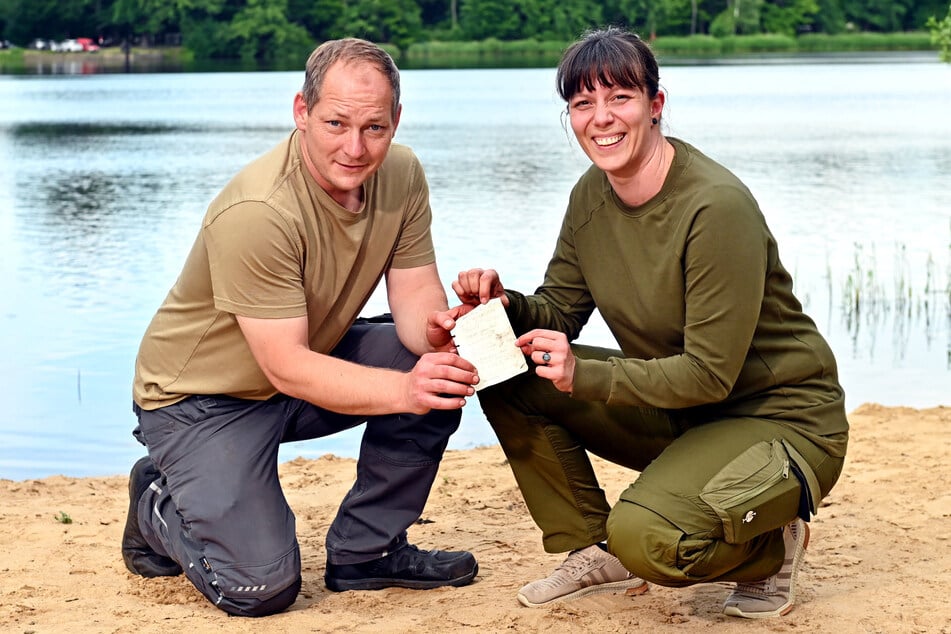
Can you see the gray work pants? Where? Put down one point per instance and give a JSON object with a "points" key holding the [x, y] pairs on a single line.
{"points": [[219, 510]]}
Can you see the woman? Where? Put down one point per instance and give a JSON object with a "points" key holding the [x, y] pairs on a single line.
{"points": [[723, 395]]}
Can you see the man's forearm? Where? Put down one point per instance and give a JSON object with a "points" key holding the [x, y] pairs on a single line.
{"points": [[342, 386], [412, 318]]}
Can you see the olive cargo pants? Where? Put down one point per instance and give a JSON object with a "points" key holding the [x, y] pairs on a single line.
{"points": [[710, 500]]}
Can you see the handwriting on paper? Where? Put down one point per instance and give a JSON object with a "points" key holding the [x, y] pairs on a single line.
{"points": [[485, 338]]}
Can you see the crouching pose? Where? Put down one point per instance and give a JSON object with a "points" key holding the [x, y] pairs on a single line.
{"points": [[722, 394], [259, 343]]}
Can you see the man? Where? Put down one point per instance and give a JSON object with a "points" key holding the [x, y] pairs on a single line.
{"points": [[259, 343]]}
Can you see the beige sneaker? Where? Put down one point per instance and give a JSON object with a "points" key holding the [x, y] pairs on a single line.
{"points": [[586, 571], [776, 595]]}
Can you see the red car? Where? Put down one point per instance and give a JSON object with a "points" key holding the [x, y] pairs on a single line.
{"points": [[87, 44]]}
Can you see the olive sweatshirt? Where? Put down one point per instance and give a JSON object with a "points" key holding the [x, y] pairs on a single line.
{"points": [[691, 286]]}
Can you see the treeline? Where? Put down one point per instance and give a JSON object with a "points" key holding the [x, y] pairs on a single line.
{"points": [[270, 30]]}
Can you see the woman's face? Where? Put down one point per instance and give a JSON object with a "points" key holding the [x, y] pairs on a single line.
{"points": [[613, 126]]}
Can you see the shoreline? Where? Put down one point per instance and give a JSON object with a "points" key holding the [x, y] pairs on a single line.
{"points": [[112, 60], [55, 571]]}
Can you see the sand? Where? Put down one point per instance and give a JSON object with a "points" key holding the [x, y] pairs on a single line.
{"points": [[879, 559]]}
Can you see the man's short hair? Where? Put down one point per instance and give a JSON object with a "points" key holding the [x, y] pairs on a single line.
{"points": [[349, 49]]}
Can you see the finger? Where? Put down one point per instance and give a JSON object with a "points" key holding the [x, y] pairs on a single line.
{"points": [[540, 357], [448, 366], [438, 402], [542, 343], [473, 282], [442, 319], [447, 388], [467, 282], [487, 285], [527, 338], [458, 368]]}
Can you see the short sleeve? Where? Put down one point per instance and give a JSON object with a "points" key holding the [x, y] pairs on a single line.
{"points": [[256, 262]]}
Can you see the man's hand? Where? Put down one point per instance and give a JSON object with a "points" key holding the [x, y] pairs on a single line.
{"points": [[551, 352], [439, 380], [439, 327], [478, 286]]}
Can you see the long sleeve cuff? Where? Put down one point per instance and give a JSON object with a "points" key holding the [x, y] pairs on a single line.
{"points": [[592, 380]]}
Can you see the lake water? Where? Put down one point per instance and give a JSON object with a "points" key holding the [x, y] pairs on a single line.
{"points": [[104, 179]]}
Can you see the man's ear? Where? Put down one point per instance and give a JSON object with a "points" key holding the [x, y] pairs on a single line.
{"points": [[396, 121], [300, 112]]}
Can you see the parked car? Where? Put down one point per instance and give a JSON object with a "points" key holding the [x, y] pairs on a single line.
{"points": [[88, 44], [67, 46], [40, 44]]}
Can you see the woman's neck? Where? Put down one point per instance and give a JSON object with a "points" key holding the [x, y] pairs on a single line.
{"points": [[645, 180]]}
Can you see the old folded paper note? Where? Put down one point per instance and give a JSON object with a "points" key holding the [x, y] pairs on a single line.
{"points": [[484, 337]]}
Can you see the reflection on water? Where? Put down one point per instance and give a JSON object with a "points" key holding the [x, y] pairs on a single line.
{"points": [[104, 180]]}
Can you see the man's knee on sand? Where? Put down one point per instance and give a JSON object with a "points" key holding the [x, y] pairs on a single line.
{"points": [[269, 585], [254, 607], [248, 590]]}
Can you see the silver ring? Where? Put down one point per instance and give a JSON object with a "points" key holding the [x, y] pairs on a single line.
{"points": [[546, 357]]}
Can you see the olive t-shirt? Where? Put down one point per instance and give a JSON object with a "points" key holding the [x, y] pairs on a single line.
{"points": [[273, 244]]}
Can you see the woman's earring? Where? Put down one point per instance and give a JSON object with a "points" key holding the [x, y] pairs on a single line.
{"points": [[653, 120]]}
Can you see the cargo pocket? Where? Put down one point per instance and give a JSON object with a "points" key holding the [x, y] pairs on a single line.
{"points": [[809, 497], [755, 493]]}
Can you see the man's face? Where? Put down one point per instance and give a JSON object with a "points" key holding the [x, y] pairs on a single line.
{"points": [[347, 133]]}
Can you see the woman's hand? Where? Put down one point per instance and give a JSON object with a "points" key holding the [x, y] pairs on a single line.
{"points": [[478, 286], [551, 353]]}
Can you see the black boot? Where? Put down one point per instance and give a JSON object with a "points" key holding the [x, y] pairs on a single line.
{"points": [[407, 567], [139, 557]]}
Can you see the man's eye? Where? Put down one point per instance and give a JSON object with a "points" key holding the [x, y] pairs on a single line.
{"points": [[376, 128], [334, 124]]}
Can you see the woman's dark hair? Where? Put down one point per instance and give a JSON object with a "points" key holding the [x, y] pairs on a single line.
{"points": [[609, 56]]}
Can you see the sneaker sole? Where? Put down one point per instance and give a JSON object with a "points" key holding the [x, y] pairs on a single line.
{"points": [[787, 607], [600, 588], [381, 583]]}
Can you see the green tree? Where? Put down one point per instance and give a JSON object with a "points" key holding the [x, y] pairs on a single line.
{"points": [[876, 15], [481, 19], [28, 19], [322, 18], [262, 32], [741, 17], [941, 34], [921, 11], [151, 18], [788, 17], [396, 22], [437, 14], [830, 18], [556, 19]]}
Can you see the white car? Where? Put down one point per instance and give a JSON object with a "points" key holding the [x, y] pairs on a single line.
{"points": [[67, 46]]}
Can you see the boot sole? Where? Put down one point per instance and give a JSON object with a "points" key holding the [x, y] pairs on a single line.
{"points": [[381, 583]]}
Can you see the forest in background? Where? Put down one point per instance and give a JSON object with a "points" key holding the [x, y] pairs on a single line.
{"points": [[272, 30]]}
